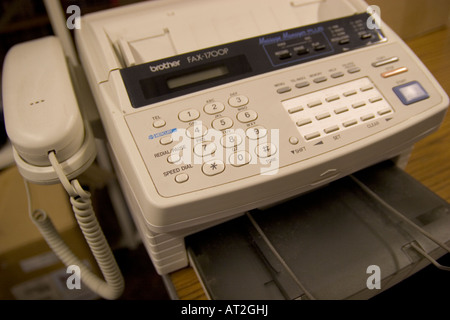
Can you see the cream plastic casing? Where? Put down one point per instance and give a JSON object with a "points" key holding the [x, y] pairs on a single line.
{"points": [[116, 39]]}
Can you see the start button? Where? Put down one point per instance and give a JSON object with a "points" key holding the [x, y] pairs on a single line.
{"points": [[411, 92]]}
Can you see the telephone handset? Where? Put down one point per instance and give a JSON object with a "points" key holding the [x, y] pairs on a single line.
{"points": [[52, 143], [41, 112]]}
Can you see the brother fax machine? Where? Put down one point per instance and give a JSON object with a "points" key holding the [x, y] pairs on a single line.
{"points": [[265, 139]]}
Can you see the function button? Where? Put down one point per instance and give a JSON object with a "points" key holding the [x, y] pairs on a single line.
{"points": [[332, 98], [320, 79], [303, 122], [312, 135], [314, 104], [395, 72], [337, 75], [323, 116], [349, 93], [382, 112], [240, 158], [341, 110], [354, 70], [189, 115], [266, 150], [222, 123], [367, 117], [213, 167], [166, 140], [293, 140], [375, 99], [196, 131], [410, 92], [366, 88], [159, 123], [238, 101], [283, 54], [283, 90], [214, 107], [319, 47], [331, 129], [256, 133], [181, 178], [231, 140], [295, 109], [358, 105], [344, 41], [365, 36], [247, 116], [384, 62], [349, 123], [302, 84], [301, 50], [205, 148], [173, 158]]}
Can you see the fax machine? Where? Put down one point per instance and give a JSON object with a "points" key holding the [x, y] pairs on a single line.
{"points": [[214, 108]]}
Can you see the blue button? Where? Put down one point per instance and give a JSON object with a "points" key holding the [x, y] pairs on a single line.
{"points": [[411, 92]]}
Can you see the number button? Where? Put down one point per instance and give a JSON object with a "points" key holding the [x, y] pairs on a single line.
{"points": [[266, 150], [197, 130], [256, 133], [189, 115], [205, 149], [247, 116], [231, 140], [213, 167], [214, 108], [240, 158], [238, 101], [222, 123]]}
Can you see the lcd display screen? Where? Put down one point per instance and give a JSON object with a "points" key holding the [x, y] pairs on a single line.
{"points": [[171, 83], [197, 76]]}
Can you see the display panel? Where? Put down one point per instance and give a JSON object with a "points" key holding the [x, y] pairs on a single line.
{"points": [[170, 82], [198, 76]]}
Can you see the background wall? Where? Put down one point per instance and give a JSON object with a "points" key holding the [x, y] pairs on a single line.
{"points": [[412, 18]]}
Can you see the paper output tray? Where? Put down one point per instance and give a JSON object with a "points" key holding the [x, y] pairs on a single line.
{"points": [[324, 243]]}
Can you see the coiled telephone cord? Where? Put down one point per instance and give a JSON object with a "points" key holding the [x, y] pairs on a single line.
{"points": [[113, 285]]}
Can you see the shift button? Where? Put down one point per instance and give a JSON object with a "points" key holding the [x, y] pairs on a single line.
{"points": [[238, 101]]}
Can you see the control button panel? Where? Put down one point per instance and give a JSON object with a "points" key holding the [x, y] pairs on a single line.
{"points": [[231, 133], [337, 108]]}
